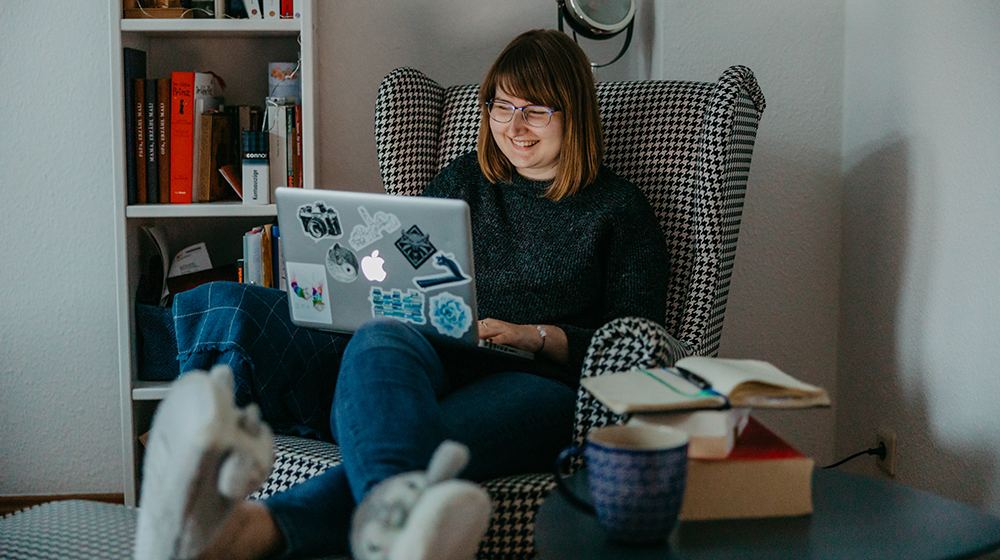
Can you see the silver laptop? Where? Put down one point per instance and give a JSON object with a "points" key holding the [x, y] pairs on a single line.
{"points": [[350, 257]]}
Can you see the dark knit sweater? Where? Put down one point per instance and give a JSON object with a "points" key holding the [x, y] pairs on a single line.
{"points": [[576, 263]]}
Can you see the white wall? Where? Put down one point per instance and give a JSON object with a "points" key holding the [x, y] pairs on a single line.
{"points": [[60, 421], [920, 353]]}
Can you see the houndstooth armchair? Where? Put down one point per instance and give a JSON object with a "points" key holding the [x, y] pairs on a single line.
{"points": [[687, 145]]}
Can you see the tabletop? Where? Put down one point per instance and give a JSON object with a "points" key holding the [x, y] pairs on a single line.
{"points": [[853, 517]]}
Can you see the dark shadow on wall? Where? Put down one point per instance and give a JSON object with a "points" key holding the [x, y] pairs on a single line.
{"points": [[879, 264]]}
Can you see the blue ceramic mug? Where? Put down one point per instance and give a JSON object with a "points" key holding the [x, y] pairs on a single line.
{"points": [[637, 475]]}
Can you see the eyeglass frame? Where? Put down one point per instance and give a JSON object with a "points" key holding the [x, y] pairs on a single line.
{"points": [[514, 109]]}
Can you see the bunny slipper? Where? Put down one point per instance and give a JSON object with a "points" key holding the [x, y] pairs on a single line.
{"points": [[423, 515], [203, 456]]}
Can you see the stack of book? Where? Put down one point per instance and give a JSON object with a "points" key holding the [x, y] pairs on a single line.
{"points": [[182, 141], [262, 263], [737, 468]]}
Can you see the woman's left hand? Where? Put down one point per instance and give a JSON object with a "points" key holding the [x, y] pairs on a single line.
{"points": [[526, 337]]}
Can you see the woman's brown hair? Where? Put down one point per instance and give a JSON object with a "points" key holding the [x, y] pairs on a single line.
{"points": [[548, 68]]}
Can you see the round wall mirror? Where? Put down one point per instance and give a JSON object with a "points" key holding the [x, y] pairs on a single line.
{"points": [[599, 19]]}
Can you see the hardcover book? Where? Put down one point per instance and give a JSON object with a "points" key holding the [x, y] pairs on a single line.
{"points": [[152, 142], [763, 476], [133, 67], [163, 136], [712, 434], [703, 383]]}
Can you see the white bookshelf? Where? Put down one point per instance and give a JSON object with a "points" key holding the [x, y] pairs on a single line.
{"points": [[239, 51]]}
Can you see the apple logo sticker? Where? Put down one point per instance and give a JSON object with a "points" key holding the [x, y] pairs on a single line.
{"points": [[371, 266]]}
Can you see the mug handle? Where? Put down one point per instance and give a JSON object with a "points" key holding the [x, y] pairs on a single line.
{"points": [[571, 498]]}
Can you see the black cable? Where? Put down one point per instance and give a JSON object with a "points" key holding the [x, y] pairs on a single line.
{"points": [[880, 451]]}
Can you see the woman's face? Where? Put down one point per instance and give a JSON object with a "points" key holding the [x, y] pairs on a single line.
{"points": [[533, 151]]}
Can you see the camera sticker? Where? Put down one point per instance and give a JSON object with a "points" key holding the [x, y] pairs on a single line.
{"points": [[342, 264], [453, 274], [320, 220], [308, 294], [415, 246], [371, 231], [450, 315], [393, 303]]}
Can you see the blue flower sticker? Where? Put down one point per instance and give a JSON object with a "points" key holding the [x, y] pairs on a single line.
{"points": [[450, 315]]}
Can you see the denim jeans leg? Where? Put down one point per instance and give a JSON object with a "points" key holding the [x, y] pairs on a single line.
{"points": [[385, 410], [315, 515], [512, 422]]}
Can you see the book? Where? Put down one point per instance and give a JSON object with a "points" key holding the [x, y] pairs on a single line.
{"points": [[139, 100], [763, 476], [181, 136], [215, 152], [712, 433], [266, 260], [152, 135], [133, 67], [163, 136], [298, 145], [290, 144], [703, 383], [277, 136], [253, 265], [191, 93], [255, 174], [206, 101]]}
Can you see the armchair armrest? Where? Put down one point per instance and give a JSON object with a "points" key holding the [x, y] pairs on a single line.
{"points": [[622, 344]]}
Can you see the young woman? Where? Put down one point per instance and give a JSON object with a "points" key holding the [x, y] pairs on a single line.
{"points": [[562, 246]]}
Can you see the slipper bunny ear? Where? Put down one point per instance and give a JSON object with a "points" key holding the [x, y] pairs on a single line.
{"points": [[448, 461]]}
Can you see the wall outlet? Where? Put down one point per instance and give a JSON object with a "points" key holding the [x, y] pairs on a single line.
{"points": [[888, 463]]}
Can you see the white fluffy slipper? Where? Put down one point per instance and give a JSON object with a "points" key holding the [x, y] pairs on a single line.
{"points": [[423, 515], [203, 456]]}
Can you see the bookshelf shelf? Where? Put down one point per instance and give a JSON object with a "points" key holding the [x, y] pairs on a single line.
{"points": [[212, 27], [216, 209], [150, 390], [238, 51]]}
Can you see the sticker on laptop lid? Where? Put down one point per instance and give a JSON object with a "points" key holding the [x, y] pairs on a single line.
{"points": [[342, 264], [371, 231], [453, 275], [308, 295], [450, 315], [416, 246], [320, 221], [408, 307]]}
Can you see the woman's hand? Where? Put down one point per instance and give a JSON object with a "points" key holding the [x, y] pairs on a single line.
{"points": [[527, 337]]}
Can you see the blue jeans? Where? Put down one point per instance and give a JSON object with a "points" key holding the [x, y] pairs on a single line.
{"points": [[397, 397]]}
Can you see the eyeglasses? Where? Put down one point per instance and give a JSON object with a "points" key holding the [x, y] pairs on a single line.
{"points": [[535, 115]]}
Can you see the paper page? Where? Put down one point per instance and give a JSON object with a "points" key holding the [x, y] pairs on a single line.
{"points": [[192, 259], [725, 374], [648, 390]]}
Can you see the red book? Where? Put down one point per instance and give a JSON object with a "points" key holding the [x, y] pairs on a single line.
{"points": [[286, 8], [763, 476], [181, 136]]}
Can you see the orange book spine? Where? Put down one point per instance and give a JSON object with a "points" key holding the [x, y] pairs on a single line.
{"points": [[181, 136]]}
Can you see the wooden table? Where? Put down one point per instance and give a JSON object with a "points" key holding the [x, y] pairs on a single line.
{"points": [[854, 517]]}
